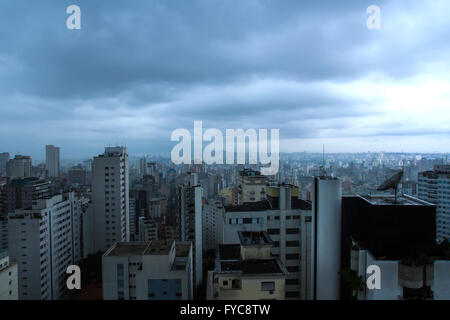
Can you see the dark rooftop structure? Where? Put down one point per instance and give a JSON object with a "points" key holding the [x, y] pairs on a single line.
{"points": [[254, 238], [252, 267], [229, 260], [388, 230]]}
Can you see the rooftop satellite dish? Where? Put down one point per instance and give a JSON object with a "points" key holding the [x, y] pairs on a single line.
{"points": [[392, 183]]}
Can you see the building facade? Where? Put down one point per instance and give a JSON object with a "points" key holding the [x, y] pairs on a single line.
{"points": [[8, 278], [434, 187], [156, 270], [110, 198], [287, 220], [247, 271], [19, 167], [52, 161], [44, 241]]}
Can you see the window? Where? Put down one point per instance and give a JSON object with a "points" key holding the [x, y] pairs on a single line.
{"points": [[292, 243], [292, 294], [236, 284], [292, 256], [292, 281], [273, 231], [268, 286], [292, 269], [292, 230]]}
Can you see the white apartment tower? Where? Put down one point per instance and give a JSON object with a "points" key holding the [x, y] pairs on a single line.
{"points": [[212, 223], [110, 198], [52, 161], [44, 241], [434, 187]]}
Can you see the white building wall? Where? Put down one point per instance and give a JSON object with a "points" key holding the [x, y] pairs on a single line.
{"points": [[110, 198], [282, 220], [8, 279], [326, 235], [42, 244]]}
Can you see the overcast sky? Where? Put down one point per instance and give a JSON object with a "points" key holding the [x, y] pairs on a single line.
{"points": [[137, 70]]}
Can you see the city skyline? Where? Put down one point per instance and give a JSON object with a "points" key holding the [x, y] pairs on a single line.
{"points": [[133, 74]]}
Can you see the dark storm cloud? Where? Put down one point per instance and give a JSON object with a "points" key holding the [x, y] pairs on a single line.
{"points": [[137, 70]]}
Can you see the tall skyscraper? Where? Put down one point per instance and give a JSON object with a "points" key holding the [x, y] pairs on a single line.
{"points": [[19, 167], [44, 241], [4, 158], [52, 161], [190, 215], [143, 166], [110, 198], [434, 187]]}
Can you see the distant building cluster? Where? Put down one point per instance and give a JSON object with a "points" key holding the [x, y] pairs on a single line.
{"points": [[142, 228]]}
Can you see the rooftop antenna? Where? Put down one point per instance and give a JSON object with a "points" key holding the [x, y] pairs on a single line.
{"points": [[392, 183]]}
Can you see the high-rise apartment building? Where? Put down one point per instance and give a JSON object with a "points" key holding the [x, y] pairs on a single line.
{"points": [[110, 198], [4, 158], [44, 241], [148, 229], [190, 195], [19, 167], [287, 220], [20, 193], [434, 187], [52, 161], [77, 175], [212, 223]]}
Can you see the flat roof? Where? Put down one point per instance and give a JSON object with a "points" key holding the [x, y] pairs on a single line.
{"points": [[252, 266], [389, 200], [155, 247], [127, 249], [229, 252], [254, 238], [182, 249], [159, 247]]}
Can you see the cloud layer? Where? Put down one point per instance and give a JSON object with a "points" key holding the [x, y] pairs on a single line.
{"points": [[135, 72]]}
